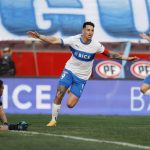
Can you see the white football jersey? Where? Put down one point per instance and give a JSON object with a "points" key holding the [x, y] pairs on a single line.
{"points": [[81, 61]]}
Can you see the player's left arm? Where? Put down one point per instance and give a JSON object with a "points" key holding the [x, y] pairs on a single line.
{"points": [[115, 55]]}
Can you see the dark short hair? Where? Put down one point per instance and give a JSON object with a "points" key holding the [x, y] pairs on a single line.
{"points": [[88, 23], [1, 83]]}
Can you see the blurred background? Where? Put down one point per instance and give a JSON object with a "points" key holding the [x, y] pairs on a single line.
{"points": [[30, 68]]}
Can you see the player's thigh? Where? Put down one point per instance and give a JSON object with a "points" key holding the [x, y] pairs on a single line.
{"points": [[78, 87], [65, 79], [64, 82], [72, 100], [76, 91]]}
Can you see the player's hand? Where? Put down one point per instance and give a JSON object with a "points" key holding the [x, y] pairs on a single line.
{"points": [[3, 128], [33, 34], [144, 36], [133, 58]]}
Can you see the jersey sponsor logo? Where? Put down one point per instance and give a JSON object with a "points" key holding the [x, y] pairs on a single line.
{"points": [[140, 69], [83, 56], [108, 69]]}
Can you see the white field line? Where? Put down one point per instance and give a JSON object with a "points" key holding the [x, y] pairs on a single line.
{"points": [[84, 139]]}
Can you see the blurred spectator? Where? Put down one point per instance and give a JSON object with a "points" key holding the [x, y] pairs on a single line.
{"points": [[7, 65]]}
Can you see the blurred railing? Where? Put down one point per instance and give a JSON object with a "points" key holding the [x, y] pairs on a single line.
{"points": [[33, 58]]}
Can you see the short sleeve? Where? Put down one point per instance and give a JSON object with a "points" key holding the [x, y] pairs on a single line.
{"points": [[67, 41], [100, 47]]}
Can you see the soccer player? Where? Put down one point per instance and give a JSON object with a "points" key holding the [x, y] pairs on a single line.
{"points": [[22, 125], [145, 87], [78, 68]]}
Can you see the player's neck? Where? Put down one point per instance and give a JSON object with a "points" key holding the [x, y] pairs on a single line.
{"points": [[85, 40]]}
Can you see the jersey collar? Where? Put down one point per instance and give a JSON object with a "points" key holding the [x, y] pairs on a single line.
{"points": [[83, 41]]}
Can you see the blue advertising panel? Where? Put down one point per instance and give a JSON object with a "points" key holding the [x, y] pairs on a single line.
{"points": [[105, 97]]}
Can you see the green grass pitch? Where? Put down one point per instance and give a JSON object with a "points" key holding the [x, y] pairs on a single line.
{"points": [[128, 129]]}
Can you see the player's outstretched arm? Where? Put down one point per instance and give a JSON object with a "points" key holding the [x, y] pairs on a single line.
{"points": [[51, 40], [115, 55], [144, 36]]}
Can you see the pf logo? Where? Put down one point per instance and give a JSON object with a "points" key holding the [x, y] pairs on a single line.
{"points": [[140, 69], [108, 69]]}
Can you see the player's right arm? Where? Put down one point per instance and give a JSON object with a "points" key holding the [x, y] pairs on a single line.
{"points": [[144, 36], [114, 55], [50, 40]]}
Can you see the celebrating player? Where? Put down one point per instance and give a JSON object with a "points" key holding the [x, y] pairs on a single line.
{"points": [[145, 87], [78, 68]]}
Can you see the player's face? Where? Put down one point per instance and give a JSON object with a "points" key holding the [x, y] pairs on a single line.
{"points": [[1, 90], [88, 32]]}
